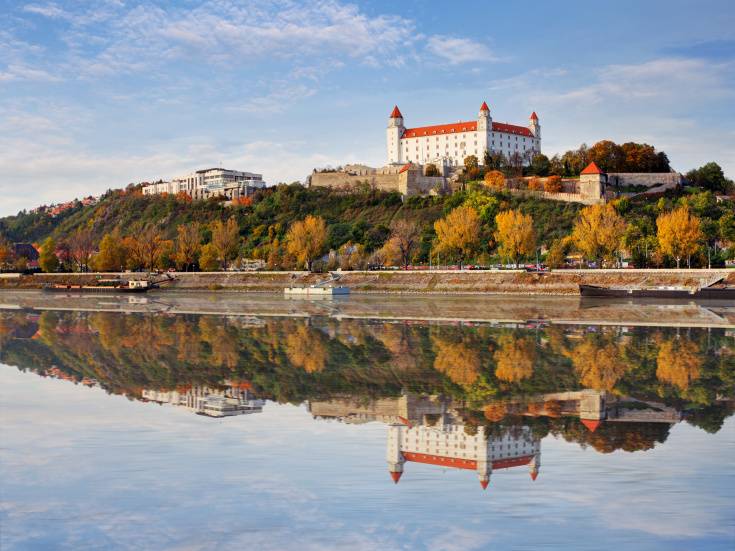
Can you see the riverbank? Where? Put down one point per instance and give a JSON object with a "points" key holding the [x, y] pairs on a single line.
{"points": [[562, 282]]}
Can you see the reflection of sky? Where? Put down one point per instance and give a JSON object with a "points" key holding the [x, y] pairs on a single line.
{"points": [[81, 469]]}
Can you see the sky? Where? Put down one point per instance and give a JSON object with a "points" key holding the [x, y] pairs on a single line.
{"points": [[98, 94]]}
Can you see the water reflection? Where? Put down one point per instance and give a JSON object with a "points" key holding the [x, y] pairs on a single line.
{"points": [[458, 395]]}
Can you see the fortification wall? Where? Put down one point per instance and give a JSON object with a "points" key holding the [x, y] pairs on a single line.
{"points": [[383, 182], [670, 179]]}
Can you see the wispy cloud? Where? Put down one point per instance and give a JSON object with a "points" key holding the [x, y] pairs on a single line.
{"points": [[457, 51]]}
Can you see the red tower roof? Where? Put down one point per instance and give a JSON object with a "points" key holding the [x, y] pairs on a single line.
{"points": [[590, 424], [395, 476], [534, 474], [592, 168], [484, 107], [484, 483], [396, 113], [534, 116]]}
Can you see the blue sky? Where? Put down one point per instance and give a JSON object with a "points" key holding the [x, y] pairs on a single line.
{"points": [[98, 94]]}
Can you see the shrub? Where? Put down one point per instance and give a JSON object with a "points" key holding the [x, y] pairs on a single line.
{"points": [[553, 184]]}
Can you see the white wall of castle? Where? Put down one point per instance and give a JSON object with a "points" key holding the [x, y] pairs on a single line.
{"points": [[433, 144]]}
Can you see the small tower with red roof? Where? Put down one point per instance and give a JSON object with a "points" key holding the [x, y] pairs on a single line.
{"points": [[592, 182], [393, 135], [534, 126]]}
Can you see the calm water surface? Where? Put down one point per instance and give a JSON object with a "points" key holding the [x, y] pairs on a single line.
{"points": [[199, 422]]}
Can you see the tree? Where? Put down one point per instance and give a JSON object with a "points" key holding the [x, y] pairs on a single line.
{"points": [[495, 180], [461, 363], [150, 245], [458, 232], [710, 176], [557, 255], [188, 245], [82, 247], [540, 165], [679, 234], [471, 163], [6, 253], [515, 234], [598, 232], [112, 255], [405, 234], [306, 240], [514, 358], [208, 261], [552, 184], [679, 362], [226, 240], [47, 259]]}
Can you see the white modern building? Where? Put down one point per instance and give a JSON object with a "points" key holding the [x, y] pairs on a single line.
{"points": [[450, 144], [210, 182], [234, 399]]}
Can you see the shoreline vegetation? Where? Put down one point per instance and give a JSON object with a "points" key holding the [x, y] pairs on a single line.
{"points": [[466, 282]]}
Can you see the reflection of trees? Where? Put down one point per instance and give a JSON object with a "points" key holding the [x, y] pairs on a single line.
{"points": [[456, 360], [514, 358], [599, 365], [306, 349], [679, 362]]}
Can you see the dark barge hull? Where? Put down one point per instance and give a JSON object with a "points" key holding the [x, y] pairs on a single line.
{"points": [[91, 289], [719, 293]]}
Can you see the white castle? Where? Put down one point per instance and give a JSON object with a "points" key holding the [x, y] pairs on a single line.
{"points": [[449, 446], [450, 144]]}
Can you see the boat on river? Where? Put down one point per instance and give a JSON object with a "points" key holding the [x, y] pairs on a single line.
{"points": [[101, 286], [717, 291]]}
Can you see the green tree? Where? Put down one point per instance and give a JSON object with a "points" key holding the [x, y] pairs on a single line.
{"points": [[540, 165], [710, 176], [48, 260]]}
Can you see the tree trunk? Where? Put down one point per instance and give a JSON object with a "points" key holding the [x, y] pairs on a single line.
{"points": [[678, 259]]}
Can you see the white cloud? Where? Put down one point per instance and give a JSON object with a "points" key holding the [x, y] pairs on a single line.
{"points": [[456, 51]]}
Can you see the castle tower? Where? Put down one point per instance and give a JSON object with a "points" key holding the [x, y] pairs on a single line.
{"points": [[393, 454], [592, 182], [484, 130], [484, 461], [393, 135], [534, 126], [535, 465]]}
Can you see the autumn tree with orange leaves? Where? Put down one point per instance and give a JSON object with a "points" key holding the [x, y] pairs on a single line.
{"points": [[495, 180], [514, 358], [679, 362], [306, 240], [458, 361]]}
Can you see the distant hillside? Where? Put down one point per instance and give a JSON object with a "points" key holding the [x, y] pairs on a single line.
{"points": [[360, 217]]}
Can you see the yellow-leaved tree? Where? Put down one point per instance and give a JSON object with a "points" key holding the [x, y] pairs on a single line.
{"points": [[679, 234], [515, 235], [112, 255], [188, 245], [458, 233], [514, 358], [226, 240], [307, 239], [679, 362], [598, 232], [494, 179]]}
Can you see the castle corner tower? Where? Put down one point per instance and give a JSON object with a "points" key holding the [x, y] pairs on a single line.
{"points": [[394, 133]]}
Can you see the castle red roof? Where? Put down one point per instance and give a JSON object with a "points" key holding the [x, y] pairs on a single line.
{"points": [[463, 126], [484, 107], [534, 474], [534, 116], [395, 113], [484, 483], [468, 464], [395, 476], [590, 424], [592, 168]]}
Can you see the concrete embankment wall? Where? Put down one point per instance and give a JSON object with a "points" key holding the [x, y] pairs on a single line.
{"points": [[565, 282]]}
